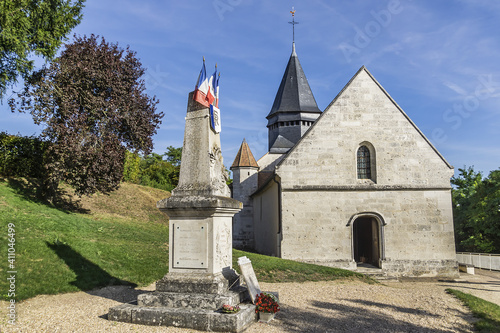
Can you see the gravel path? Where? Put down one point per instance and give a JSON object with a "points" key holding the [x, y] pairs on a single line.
{"points": [[306, 307]]}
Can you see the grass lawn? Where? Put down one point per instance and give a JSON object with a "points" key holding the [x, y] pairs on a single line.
{"points": [[487, 312], [101, 240], [272, 269], [58, 250]]}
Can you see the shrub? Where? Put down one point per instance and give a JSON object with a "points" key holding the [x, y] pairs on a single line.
{"points": [[22, 156]]}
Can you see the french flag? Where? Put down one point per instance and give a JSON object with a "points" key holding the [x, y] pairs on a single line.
{"points": [[211, 87], [201, 91], [217, 92]]}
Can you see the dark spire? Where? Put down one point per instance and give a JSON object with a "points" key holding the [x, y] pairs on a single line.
{"points": [[294, 109], [294, 93]]}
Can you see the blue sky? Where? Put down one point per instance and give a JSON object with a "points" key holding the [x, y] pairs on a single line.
{"points": [[437, 59]]}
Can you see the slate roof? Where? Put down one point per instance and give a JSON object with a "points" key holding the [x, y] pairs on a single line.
{"points": [[244, 158], [294, 93], [281, 145]]}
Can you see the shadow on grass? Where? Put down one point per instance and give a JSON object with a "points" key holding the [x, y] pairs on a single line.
{"points": [[30, 189], [89, 275]]}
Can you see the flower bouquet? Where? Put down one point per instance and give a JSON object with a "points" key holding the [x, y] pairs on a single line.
{"points": [[267, 303], [230, 309]]}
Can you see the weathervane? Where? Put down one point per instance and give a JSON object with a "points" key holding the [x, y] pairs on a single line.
{"points": [[293, 23]]}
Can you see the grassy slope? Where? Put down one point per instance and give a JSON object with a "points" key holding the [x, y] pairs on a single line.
{"points": [[62, 251], [272, 269], [105, 239], [487, 312]]}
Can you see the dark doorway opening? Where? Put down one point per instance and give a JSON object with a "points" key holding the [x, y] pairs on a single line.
{"points": [[366, 241]]}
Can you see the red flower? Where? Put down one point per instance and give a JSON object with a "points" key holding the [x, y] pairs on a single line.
{"points": [[265, 302]]}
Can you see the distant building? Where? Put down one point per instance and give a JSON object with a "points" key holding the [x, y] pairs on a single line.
{"points": [[356, 184]]}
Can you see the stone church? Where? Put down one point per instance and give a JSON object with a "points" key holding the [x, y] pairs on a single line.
{"points": [[355, 185]]}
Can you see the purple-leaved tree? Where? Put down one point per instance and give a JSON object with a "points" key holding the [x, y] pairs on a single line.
{"points": [[93, 105]]}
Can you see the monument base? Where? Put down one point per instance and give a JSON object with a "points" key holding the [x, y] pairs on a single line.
{"points": [[198, 319], [192, 301]]}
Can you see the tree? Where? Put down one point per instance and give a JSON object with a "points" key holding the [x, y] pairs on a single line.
{"points": [[174, 155], [93, 104], [156, 172], [476, 211], [465, 186], [485, 214], [32, 27], [153, 170]]}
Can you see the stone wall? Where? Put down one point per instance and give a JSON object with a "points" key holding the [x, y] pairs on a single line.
{"points": [[266, 220], [245, 180], [415, 226]]}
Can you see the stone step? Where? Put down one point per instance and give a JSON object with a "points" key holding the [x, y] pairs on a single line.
{"points": [[376, 273], [192, 301], [198, 319]]}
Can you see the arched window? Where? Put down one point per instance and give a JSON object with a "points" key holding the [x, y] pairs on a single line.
{"points": [[364, 164]]}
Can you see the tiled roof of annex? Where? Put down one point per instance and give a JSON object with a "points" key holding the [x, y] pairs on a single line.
{"points": [[244, 158]]}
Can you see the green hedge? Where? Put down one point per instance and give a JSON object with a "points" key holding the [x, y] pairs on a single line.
{"points": [[22, 156], [151, 170]]}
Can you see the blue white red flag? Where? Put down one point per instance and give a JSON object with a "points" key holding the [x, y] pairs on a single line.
{"points": [[202, 87], [217, 92], [211, 87]]}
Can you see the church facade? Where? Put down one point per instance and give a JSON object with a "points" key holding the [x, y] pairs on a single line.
{"points": [[357, 184]]}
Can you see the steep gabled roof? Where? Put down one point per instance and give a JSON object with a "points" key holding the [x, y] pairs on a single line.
{"points": [[363, 68], [294, 93], [244, 158]]}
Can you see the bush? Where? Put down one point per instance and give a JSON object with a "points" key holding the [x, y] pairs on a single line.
{"points": [[151, 170], [22, 156], [132, 168]]}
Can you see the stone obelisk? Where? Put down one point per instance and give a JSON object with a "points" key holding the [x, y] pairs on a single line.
{"points": [[200, 208], [200, 278]]}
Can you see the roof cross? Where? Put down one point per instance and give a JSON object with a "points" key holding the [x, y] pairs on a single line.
{"points": [[293, 23]]}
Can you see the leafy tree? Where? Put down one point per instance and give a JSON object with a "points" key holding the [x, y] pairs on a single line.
{"points": [[465, 186], [93, 104], [159, 173], [485, 214], [153, 170], [476, 211], [174, 155], [132, 168], [32, 27]]}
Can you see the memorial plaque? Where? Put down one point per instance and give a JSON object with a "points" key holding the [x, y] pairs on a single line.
{"points": [[190, 245], [248, 273]]}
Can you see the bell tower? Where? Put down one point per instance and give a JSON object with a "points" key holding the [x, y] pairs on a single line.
{"points": [[294, 109]]}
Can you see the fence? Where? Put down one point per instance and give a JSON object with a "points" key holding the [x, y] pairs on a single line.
{"points": [[480, 260]]}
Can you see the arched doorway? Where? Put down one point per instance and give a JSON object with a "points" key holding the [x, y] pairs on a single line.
{"points": [[366, 240]]}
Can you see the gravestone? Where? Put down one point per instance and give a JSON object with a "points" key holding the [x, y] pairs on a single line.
{"points": [[200, 278], [248, 273]]}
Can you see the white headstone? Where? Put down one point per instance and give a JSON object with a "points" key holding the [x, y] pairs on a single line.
{"points": [[248, 273]]}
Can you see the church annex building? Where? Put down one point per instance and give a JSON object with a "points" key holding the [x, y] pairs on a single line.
{"points": [[356, 184]]}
